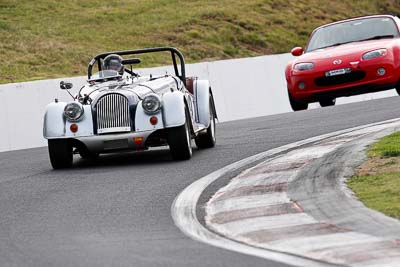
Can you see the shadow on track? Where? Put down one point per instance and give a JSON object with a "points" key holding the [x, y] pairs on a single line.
{"points": [[130, 158]]}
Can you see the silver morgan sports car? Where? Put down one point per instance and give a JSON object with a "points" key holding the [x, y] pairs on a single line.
{"points": [[119, 110]]}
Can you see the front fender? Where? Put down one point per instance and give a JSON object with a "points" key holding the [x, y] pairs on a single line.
{"points": [[54, 121], [142, 120], [288, 70], [173, 109], [56, 126], [202, 95]]}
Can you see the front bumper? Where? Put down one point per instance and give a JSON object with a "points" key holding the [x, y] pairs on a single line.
{"points": [[115, 142], [369, 82]]}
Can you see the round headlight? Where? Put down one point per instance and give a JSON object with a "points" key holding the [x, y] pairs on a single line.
{"points": [[151, 104], [73, 111]]}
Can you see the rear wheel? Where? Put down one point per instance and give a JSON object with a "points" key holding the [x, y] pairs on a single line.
{"points": [[297, 105], [327, 102], [207, 139], [60, 152], [180, 142]]}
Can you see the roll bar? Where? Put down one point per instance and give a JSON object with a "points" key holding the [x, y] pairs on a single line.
{"points": [[174, 52]]}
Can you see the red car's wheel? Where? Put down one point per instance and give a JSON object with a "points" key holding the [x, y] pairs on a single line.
{"points": [[327, 102], [297, 105]]}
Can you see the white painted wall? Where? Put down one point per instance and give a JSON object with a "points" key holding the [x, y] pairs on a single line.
{"points": [[243, 88]]}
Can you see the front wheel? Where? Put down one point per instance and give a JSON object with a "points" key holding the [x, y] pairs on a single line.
{"points": [[297, 105], [60, 152], [180, 142], [207, 139], [327, 102]]}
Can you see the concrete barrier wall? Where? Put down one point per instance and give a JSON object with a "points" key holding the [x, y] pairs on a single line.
{"points": [[243, 88]]}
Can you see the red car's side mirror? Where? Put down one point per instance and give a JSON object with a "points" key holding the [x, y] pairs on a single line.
{"points": [[297, 51]]}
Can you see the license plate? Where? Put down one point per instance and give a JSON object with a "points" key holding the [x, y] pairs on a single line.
{"points": [[116, 144], [337, 72]]}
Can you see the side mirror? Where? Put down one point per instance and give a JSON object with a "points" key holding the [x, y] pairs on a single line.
{"points": [[297, 51], [65, 86]]}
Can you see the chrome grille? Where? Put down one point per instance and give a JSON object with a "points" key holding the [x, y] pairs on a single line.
{"points": [[113, 114]]}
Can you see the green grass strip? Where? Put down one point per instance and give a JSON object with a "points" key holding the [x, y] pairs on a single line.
{"points": [[380, 190], [49, 39], [388, 146]]}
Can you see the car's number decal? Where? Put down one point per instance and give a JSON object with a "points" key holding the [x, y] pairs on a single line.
{"points": [[337, 72]]}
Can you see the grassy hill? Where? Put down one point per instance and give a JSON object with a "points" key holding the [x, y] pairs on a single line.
{"points": [[48, 38]]}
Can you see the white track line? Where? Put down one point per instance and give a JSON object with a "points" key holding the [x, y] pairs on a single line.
{"points": [[244, 226], [385, 262], [306, 244], [264, 179], [247, 202]]}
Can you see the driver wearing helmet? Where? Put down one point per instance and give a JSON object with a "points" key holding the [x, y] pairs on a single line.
{"points": [[114, 62]]}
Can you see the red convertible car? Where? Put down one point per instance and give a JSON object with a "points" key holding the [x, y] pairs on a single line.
{"points": [[345, 58]]}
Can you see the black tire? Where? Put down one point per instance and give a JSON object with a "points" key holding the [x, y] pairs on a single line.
{"points": [[180, 142], [398, 89], [327, 102], [297, 105], [207, 139], [60, 152]]}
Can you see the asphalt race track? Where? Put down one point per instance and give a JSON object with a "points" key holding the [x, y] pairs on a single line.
{"points": [[116, 211]]}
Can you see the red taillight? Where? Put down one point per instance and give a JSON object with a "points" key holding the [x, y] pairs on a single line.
{"points": [[153, 120], [73, 128]]}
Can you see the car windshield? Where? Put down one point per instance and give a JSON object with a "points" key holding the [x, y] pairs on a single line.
{"points": [[353, 31], [105, 75]]}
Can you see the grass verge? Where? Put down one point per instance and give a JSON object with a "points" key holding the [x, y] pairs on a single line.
{"points": [[48, 39], [377, 181]]}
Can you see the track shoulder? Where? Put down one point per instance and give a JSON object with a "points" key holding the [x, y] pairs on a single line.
{"points": [[241, 219]]}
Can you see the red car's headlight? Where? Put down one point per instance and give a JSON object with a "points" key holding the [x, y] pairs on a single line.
{"points": [[304, 66], [374, 54]]}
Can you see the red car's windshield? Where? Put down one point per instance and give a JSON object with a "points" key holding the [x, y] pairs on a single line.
{"points": [[353, 31]]}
